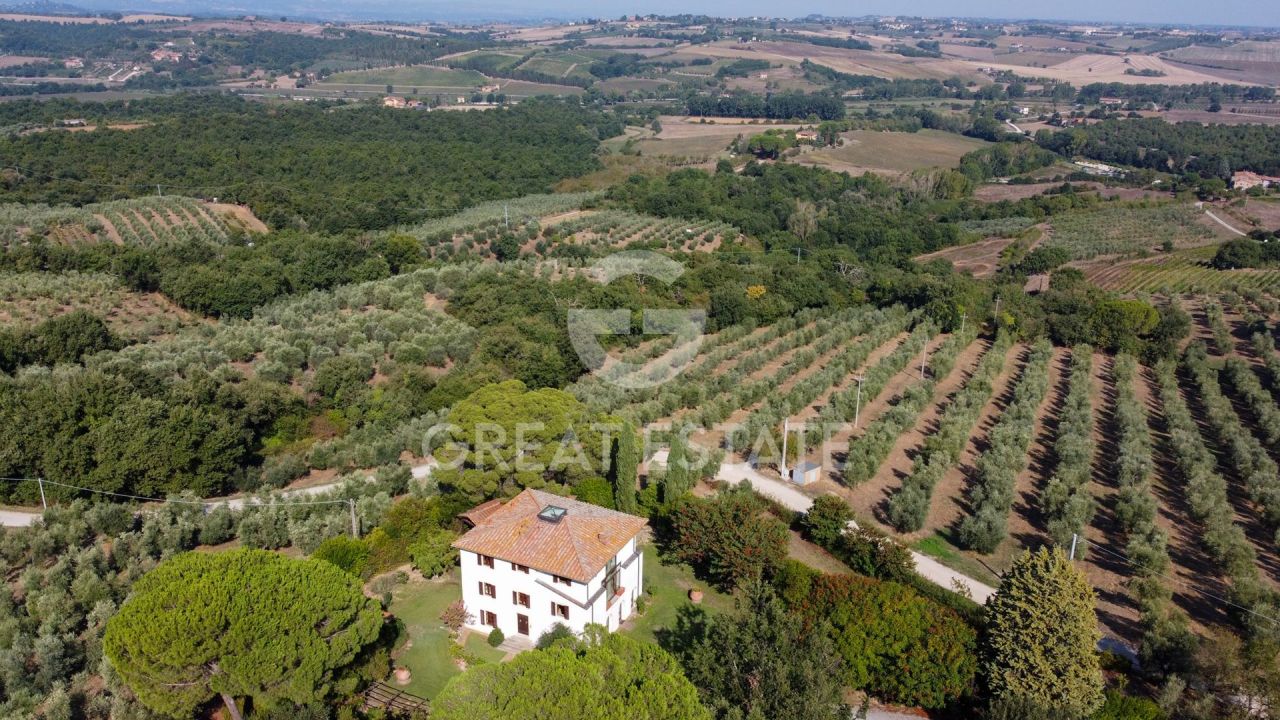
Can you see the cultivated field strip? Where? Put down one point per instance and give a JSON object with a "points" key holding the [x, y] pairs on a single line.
{"points": [[144, 222], [1067, 503], [1136, 508], [1223, 538], [1242, 453], [909, 507], [1179, 274], [866, 452], [767, 409], [992, 495]]}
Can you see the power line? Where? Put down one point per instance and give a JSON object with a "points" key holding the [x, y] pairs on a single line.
{"points": [[179, 501], [1181, 583]]}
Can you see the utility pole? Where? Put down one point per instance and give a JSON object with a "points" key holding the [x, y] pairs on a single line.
{"points": [[786, 430], [158, 192], [798, 255], [1074, 537], [996, 314], [355, 520], [962, 319], [43, 503], [924, 354], [506, 215], [857, 408]]}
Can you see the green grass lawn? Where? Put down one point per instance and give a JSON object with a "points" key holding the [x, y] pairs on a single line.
{"points": [[669, 587], [418, 605], [939, 548]]}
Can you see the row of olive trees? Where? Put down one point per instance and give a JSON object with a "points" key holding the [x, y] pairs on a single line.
{"points": [[1167, 641], [841, 406], [769, 406], [869, 450], [1207, 496], [1218, 326], [76, 566], [1265, 348], [909, 507], [1006, 456], [1266, 413], [765, 420], [1067, 503], [721, 368], [1246, 456]]}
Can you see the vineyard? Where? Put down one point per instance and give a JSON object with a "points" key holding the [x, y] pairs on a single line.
{"points": [[145, 222], [1180, 272], [999, 445]]}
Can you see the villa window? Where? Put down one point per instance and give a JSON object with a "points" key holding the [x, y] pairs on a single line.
{"points": [[560, 611]]}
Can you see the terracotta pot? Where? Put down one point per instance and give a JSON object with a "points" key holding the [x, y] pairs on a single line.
{"points": [[695, 596]]}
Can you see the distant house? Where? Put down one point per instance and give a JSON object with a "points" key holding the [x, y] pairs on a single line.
{"points": [[1244, 180], [1111, 101], [73, 122], [165, 55], [394, 101], [74, 63], [541, 559], [490, 88], [809, 135]]}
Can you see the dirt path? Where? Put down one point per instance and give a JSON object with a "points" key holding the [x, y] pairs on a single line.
{"points": [[831, 456], [871, 497], [948, 502]]}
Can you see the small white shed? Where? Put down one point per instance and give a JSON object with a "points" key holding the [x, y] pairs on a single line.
{"points": [[805, 473]]}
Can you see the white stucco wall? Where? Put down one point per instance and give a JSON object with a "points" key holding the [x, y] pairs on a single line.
{"points": [[535, 584]]}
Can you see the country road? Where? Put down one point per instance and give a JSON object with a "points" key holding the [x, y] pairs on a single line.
{"points": [[793, 499], [1220, 221], [26, 518]]}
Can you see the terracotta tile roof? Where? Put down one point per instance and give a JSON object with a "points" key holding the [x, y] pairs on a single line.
{"points": [[577, 547], [478, 514]]}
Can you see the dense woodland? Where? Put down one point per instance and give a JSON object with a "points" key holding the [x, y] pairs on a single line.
{"points": [[315, 166]]}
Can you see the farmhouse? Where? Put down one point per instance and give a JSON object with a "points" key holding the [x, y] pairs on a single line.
{"points": [[541, 559], [1244, 180], [491, 88]]}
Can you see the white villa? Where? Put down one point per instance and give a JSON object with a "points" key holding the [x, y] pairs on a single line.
{"points": [[540, 559]]}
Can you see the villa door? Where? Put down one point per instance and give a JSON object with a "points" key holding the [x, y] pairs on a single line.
{"points": [[522, 624]]}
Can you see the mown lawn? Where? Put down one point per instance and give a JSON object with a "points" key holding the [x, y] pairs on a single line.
{"points": [[418, 605], [669, 587]]}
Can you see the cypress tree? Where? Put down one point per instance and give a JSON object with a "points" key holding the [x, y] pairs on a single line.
{"points": [[624, 464], [1040, 647], [679, 479]]}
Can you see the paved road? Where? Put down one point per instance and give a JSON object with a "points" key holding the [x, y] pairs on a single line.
{"points": [[793, 499]]}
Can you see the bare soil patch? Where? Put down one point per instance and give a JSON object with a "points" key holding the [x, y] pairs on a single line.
{"points": [[980, 259]]}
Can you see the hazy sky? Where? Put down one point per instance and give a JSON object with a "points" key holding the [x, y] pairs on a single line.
{"points": [[1217, 12], [1209, 12]]}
